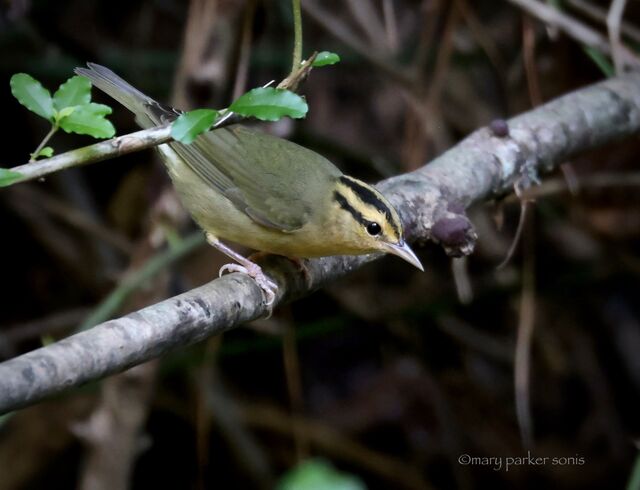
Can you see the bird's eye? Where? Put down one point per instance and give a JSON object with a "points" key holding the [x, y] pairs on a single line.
{"points": [[373, 229]]}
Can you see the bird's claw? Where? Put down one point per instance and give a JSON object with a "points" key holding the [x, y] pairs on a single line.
{"points": [[254, 271]]}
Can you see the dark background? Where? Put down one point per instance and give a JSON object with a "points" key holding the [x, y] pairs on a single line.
{"points": [[390, 374]]}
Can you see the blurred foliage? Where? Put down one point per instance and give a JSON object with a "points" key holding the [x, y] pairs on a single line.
{"points": [[318, 475]]}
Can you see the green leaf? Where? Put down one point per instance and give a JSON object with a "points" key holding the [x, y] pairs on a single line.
{"points": [[325, 58], [190, 124], [75, 91], [316, 474], [270, 104], [89, 119], [8, 177], [31, 94], [46, 152]]}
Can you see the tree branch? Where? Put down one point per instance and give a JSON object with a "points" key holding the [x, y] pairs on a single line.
{"points": [[572, 27], [431, 202], [97, 152]]}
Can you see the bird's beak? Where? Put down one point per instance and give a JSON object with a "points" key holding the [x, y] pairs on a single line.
{"points": [[403, 251]]}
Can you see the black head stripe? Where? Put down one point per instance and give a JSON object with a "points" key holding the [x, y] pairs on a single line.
{"points": [[369, 197], [344, 204]]}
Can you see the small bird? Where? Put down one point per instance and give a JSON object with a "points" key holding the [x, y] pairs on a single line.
{"points": [[264, 192]]}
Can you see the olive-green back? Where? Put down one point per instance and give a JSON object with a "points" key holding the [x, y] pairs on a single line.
{"points": [[277, 183]]}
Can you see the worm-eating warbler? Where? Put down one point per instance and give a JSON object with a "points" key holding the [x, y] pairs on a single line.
{"points": [[264, 192]]}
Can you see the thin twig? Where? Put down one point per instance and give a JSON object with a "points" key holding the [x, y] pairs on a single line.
{"points": [[460, 272], [368, 22], [390, 25], [431, 12], [483, 38], [569, 25], [112, 432], [614, 19], [570, 177], [297, 76], [525, 206], [526, 324], [443, 58], [529, 56], [335, 443], [48, 325], [476, 339], [595, 181], [52, 131], [242, 71], [344, 34], [291, 361], [55, 239], [227, 415], [202, 16], [297, 32], [97, 152], [75, 217], [599, 14], [429, 109]]}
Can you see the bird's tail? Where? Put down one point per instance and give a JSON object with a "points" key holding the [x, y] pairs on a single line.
{"points": [[122, 91]]}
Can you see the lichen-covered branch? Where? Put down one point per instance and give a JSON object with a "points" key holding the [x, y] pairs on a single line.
{"points": [[431, 201]]}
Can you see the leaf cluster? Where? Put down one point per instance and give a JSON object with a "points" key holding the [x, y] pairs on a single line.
{"points": [[263, 103], [70, 108]]}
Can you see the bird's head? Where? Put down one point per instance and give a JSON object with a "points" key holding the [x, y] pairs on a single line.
{"points": [[368, 222]]}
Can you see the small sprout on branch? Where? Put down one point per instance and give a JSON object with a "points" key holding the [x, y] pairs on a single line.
{"points": [[325, 58], [62, 113], [46, 152]]}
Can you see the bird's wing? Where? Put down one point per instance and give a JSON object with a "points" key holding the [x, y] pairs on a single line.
{"points": [[275, 182]]}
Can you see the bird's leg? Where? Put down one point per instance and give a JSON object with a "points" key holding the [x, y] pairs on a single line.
{"points": [[245, 266]]}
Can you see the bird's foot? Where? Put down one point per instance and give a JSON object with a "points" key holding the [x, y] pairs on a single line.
{"points": [[300, 264], [245, 266], [254, 271]]}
